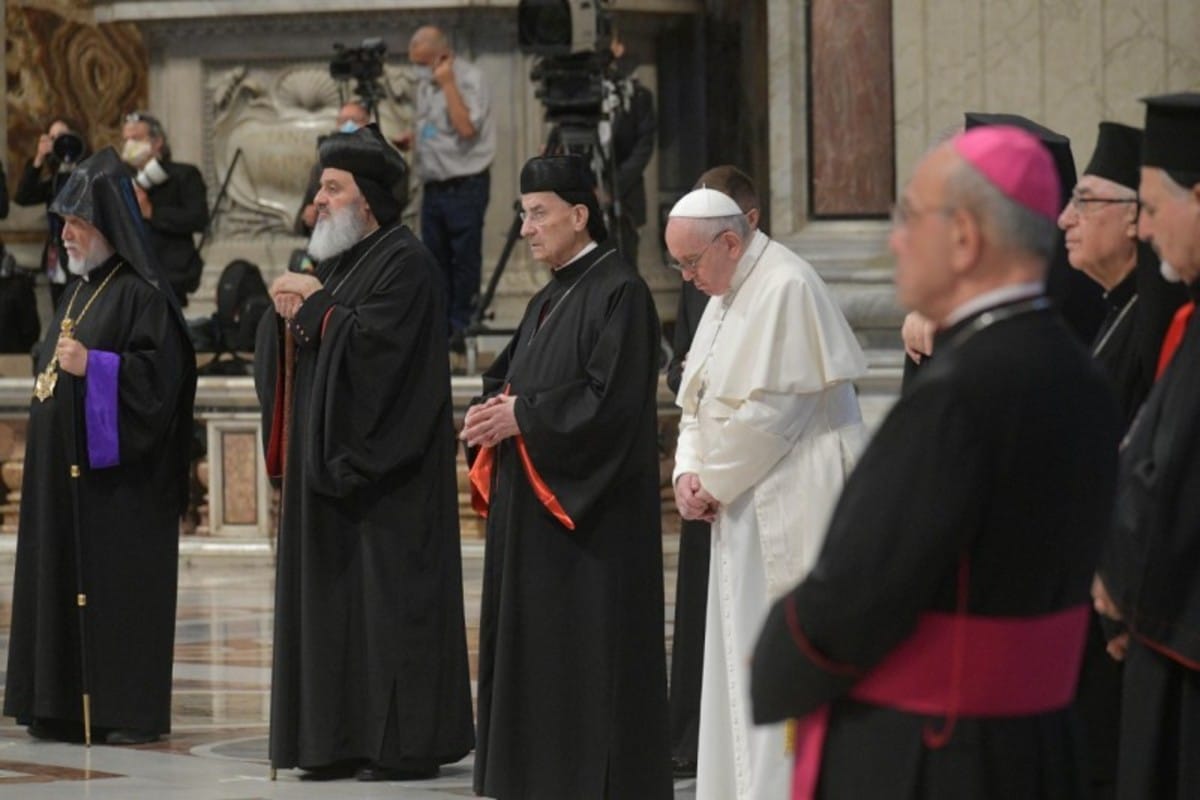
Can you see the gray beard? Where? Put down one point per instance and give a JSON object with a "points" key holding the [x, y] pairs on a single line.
{"points": [[337, 233], [94, 258], [1168, 272]]}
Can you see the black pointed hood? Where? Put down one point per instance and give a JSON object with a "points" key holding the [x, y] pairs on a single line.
{"points": [[100, 191]]}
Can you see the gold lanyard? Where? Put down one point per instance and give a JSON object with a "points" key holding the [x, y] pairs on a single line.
{"points": [[43, 387]]}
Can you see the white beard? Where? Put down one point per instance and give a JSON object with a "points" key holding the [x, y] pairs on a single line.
{"points": [[337, 233], [100, 252], [1168, 272]]}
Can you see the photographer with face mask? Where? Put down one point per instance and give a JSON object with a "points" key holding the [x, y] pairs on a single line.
{"points": [[173, 200], [59, 149]]}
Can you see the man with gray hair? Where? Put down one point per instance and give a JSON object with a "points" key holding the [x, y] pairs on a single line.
{"points": [[1149, 567], [370, 676], [769, 427], [1100, 221], [948, 605]]}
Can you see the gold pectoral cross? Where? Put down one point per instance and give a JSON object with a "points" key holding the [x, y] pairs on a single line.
{"points": [[43, 386]]}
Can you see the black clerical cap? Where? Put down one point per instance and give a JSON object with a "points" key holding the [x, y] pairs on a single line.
{"points": [[1058, 145], [378, 169], [570, 177], [100, 191], [1118, 155], [1172, 139]]}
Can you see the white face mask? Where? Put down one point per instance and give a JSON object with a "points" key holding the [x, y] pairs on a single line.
{"points": [[135, 152], [423, 72]]}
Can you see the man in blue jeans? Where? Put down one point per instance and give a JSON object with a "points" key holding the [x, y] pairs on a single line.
{"points": [[454, 142]]}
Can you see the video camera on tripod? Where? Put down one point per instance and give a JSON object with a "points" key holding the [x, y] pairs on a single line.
{"points": [[572, 39], [364, 66]]}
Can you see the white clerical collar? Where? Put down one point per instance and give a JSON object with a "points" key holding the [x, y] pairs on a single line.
{"points": [[990, 299], [583, 251], [758, 243]]}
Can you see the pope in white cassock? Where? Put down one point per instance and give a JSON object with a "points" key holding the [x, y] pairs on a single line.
{"points": [[769, 430]]}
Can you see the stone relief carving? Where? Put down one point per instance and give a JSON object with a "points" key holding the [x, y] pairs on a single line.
{"points": [[274, 116]]}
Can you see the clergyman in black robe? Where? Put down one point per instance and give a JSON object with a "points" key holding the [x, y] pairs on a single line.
{"points": [[980, 502], [572, 673], [1100, 222], [1149, 576], [691, 577], [115, 398], [370, 674]]}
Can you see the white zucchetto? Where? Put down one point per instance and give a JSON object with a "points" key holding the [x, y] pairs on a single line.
{"points": [[705, 203]]}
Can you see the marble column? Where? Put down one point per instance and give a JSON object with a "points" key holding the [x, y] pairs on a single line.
{"points": [[852, 145]]}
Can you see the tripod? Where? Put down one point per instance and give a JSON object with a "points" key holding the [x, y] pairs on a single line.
{"points": [[578, 135]]}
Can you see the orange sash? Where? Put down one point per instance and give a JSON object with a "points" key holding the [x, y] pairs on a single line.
{"points": [[481, 482]]}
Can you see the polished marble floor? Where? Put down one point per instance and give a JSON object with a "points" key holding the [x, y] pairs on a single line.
{"points": [[217, 748]]}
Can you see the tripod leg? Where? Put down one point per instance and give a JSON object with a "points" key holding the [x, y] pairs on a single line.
{"points": [[481, 307]]}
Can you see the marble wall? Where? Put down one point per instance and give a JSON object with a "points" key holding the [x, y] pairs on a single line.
{"points": [[1065, 63]]}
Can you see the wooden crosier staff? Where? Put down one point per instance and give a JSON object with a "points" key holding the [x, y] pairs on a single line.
{"points": [[80, 585], [289, 381]]}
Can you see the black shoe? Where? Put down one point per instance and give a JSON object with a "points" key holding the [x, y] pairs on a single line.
{"points": [[123, 736], [337, 771], [683, 768], [56, 730], [375, 772]]}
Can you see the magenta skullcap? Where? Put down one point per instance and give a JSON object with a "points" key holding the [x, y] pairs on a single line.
{"points": [[1016, 163]]}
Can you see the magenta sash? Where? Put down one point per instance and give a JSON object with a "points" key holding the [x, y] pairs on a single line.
{"points": [[959, 665]]}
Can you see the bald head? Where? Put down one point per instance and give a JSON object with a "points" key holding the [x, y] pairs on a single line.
{"points": [[427, 44]]}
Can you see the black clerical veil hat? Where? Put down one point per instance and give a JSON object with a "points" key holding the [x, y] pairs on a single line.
{"points": [[378, 168], [1118, 155], [1058, 145], [1172, 139], [100, 190], [570, 177]]}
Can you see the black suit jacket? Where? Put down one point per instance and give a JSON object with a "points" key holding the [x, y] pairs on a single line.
{"points": [[180, 210], [633, 144]]}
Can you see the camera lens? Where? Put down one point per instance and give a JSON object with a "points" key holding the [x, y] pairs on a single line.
{"points": [[68, 147]]}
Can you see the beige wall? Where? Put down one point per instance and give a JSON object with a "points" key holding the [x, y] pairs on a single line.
{"points": [[1065, 63]]}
